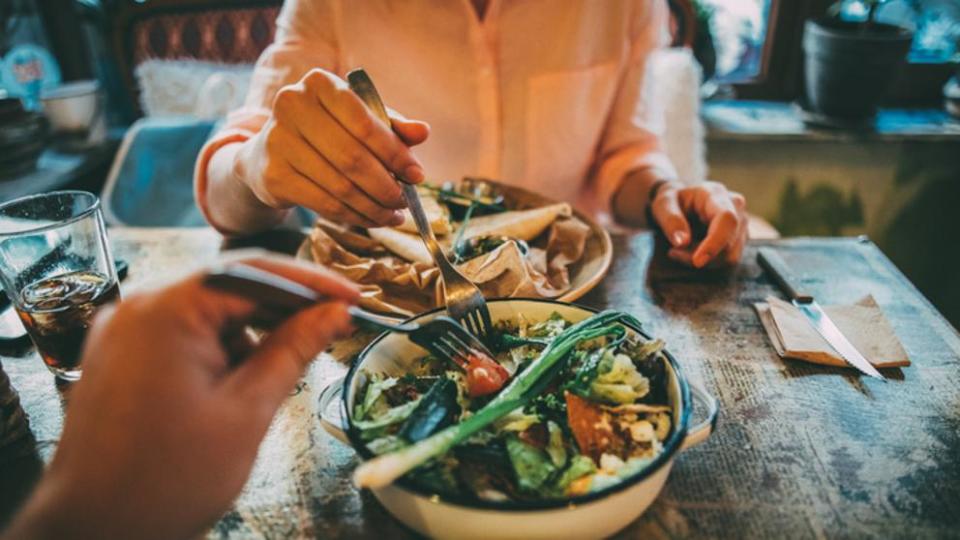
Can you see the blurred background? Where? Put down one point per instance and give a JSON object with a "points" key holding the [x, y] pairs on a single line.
{"points": [[116, 96]]}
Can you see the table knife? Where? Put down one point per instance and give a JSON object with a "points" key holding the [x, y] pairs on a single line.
{"points": [[778, 269]]}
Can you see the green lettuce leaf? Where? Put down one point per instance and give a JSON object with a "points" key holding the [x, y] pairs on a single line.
{"points": [[618, 381], [532, 466], [580, 466]]}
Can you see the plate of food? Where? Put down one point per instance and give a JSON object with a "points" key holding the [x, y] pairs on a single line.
{"points": [[576, 442], [509, 241]]}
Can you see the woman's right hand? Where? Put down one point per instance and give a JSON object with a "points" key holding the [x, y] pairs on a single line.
{"points": [[324, 150]]}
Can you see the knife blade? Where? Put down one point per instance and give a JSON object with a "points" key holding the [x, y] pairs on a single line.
{"points": [[778, 269]]}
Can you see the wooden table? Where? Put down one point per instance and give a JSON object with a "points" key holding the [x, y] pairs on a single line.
{"points": [[801, 451]]}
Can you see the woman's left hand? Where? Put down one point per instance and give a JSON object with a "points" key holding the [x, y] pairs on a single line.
{"points": [[679, 209]]}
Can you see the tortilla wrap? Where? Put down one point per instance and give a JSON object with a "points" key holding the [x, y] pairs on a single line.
{"points": [[395, 286], [406, 245], [436, 216], [523, 224]]}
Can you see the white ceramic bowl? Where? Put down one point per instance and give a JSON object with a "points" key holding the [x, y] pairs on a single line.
{"points": [[595, 515], [72, 107]]}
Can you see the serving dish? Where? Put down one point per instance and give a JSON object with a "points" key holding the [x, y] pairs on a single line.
{"points": [[596, 514], [584, 275], [71, 107]]}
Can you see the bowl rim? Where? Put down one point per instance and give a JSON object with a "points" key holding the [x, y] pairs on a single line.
{"points": [[84, 88], [670, 447]]}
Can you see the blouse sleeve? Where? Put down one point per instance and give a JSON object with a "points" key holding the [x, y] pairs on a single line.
{"points": [[306, 38], [631, 138]]}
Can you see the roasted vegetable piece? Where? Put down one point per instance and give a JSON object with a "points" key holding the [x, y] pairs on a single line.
{"points": [[436, 410], [536, 436], [591, 428]]}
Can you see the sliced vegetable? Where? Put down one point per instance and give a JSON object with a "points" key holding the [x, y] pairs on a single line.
{"points": [[371, 398], [618, 381], [550, 407], [587, 372], [532, 466], [516, 420], [436, 410], [387, 443], [484, 375], [549, 328], [373, 428], [580, 466], [384, 469], [555, 447], [506, 341]]}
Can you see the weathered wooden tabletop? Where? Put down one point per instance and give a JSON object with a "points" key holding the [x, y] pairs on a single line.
{"points": [[801, 451]]}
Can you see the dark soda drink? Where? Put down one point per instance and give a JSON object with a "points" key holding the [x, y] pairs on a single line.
{"points": [[57, 312]]}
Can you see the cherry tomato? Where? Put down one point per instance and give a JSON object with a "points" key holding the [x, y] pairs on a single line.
{"points": [[484, 375]]}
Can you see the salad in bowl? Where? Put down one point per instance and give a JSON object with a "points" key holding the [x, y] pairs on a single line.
{"points": [[595, 414], [568, 430]]}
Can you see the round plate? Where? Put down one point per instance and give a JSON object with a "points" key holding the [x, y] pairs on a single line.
{"points": [[584, 276]]}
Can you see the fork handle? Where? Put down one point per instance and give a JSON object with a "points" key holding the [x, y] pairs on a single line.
{"points": [[282, 297], [362, 85], [369, 320], [265, 288]]}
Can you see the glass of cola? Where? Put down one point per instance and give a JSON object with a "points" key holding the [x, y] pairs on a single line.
{"points": [[56, 267]]}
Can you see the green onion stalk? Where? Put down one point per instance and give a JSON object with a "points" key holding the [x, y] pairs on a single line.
{"points": [[384, 469]]}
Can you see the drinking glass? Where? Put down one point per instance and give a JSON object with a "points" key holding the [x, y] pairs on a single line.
{"points": [[56, 268]]}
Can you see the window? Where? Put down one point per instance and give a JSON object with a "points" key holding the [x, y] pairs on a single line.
{"points": [[758, 44], [936, 26], [739, 29]]}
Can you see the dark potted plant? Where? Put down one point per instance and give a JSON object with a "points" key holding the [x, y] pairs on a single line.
{"points": [[851, 65]]}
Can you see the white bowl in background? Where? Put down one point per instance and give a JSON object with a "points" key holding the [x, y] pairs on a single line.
{"points": [[72, 106], [595, 515]]}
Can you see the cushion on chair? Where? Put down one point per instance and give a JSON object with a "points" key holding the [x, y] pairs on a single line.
{"points": [[229, 35], [191, 87], [151, 181]]}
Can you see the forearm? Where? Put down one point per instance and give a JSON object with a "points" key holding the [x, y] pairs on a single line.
{"points": [[629, 202], [45, 516], [231, 204]]}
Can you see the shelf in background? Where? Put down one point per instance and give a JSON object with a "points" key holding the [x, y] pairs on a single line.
{"points": [[780, 121], [59, 170]]}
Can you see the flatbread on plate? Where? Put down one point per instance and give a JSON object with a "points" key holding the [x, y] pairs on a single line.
{"points": [[436, 216], [406, 245], [523, 224]]}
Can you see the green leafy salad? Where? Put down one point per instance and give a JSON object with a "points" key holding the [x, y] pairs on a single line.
{"points": [[562, 410]]}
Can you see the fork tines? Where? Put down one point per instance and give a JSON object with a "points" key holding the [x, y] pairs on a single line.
{"points": [[478, 322], [445, 337]]}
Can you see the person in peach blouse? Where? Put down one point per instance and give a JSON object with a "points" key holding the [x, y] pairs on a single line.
{"points": [[543, 94]]}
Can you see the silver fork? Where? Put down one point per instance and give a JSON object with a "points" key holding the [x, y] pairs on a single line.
{"points": [[465, 302], [278, 297]]}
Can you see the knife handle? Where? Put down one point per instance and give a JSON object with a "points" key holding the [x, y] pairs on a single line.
{"points": [[773, 263]]}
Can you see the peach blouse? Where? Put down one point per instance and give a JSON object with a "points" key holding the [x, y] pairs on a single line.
{"points": [[546, 94]]}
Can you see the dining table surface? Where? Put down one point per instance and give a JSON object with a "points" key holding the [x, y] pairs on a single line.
{"points": [[800, 451]]}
